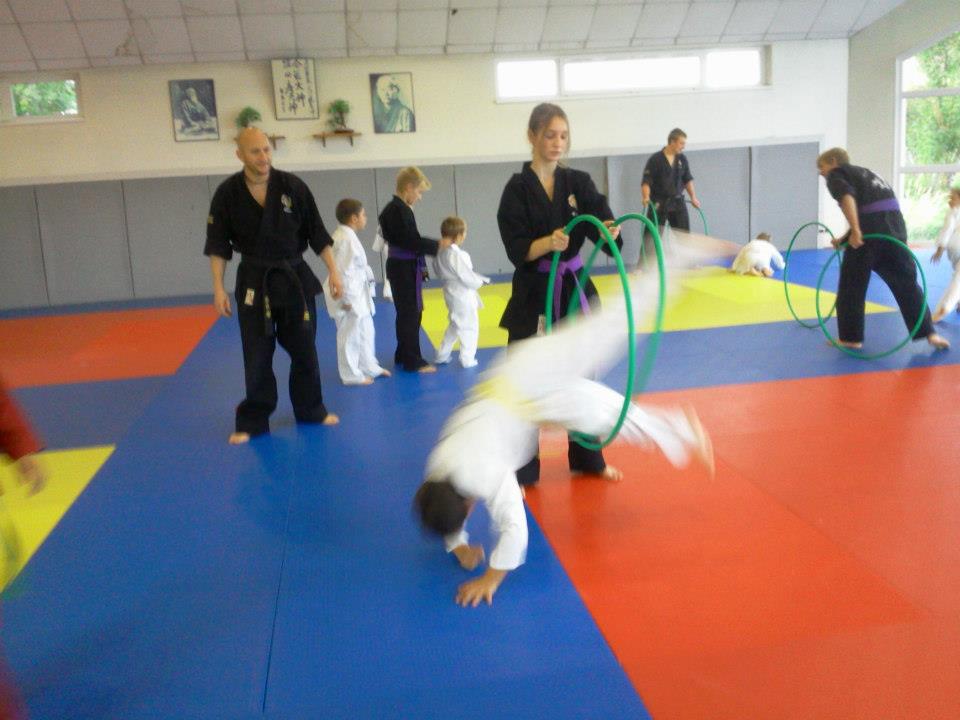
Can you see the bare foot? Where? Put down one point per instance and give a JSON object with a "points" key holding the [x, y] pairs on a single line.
{"points": [[754, 272], [767, 272], [427, 369], [330, 419], [366, 381], [851, 345], [937, 316], [612, 474], [239, 438], [939, 342], [384, 373], [704, 451]]}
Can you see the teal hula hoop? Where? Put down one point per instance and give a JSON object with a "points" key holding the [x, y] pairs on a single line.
{"points": [[786, 269]]}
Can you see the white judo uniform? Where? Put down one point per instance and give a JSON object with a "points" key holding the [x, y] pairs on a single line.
{"points": [[949, 239], [354, 310], [757, 256], [460, 284], [545, 381]]}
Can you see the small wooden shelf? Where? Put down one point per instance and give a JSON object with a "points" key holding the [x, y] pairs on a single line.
{"points": [[274, 138], [322, 137]]}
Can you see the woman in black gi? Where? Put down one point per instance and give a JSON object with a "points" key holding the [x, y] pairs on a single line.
{"points": [[869, 206], [535, 206]]}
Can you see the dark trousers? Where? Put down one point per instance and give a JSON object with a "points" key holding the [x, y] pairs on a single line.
{"points": [[298, 338], [579, 458], [402, 275], [673, 212], [897, 269]]}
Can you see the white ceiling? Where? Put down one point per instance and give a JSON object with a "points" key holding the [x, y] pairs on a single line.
{"points": [[70, 34]]}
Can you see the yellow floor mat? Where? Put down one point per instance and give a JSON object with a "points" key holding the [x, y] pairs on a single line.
{"points": [[710, 297], [34, 517]]}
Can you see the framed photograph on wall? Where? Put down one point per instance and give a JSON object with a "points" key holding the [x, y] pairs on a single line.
{"points": [[295, 89], [193, 106], [391, 95]]}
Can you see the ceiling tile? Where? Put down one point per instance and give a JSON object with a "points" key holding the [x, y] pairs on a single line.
{"points": [[661, 20], [268, 32], [27, 11], [561, 45], [154, 8], [5, 15], [371, 30], [698, 39], [370, 52], [53, 41], [795, 16], [215, 34], [162, 36], [706, 19], [63, 64], [431, 50], [615, 22], [272, 54], [515, 47], [468, 4], [567, 24], [875, 10], [838, 16], [608, 44], [330, 53], [168, 59], [743, 39], [18, 66], [115, 60], [201, 8], [523, 3], [369, 5], [97, 9], [214, 57], [472, 27], [424, 4], [264, 7], [320, 31], [315, 6], [422, 28], [785, 36], [106, 38], [520, 25], [751, 17], [468, 49], [12, 45]]}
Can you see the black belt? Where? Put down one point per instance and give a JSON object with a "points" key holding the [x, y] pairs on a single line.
{"points": [[287, 268]]}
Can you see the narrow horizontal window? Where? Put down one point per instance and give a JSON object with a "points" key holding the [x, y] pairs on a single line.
{"points": [[56, 98], [526, 79], [656, 73], [733, 68]]}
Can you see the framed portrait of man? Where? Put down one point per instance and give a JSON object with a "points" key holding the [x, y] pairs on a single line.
{"points": [[193, 106], [391, 96], [295, 89]]}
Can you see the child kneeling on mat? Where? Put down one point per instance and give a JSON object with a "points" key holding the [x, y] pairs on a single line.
{"points": [[756, 257]]}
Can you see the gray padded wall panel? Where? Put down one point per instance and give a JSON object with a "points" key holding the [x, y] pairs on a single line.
{"points": [[785, 192], [166, 222], [84, 236], [624, 176], [722, 182], [22, 279], [330, 187], [479, 188]]}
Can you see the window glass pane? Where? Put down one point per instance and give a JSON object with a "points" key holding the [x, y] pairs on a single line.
{"points": [[932, 130], [44, 99], [734, 68], [634, 74], [526, 78], [936, 67], [924, 204]]}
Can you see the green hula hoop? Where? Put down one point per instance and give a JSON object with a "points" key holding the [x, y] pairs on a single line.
{"points": [[786, 269], [920, 317], [643, 245], [652, 346], [703, 218]]}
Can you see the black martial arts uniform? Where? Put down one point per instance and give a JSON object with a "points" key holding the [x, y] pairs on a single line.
{"points": [[667, 183], [878, 212], [406, 270], [276, 290], [526, 214]]}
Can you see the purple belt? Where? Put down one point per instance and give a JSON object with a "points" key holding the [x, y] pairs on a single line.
{"points": [[888, 205], [565, 266], [402, 254]]}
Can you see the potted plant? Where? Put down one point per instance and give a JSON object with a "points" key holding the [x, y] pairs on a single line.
{"points": [[338, 111], [247, 117]]}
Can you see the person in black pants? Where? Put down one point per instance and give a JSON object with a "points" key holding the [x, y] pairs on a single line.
{"points": [[665, 176], [870, 206], [535, 206], [269, 217], [406, 266]]}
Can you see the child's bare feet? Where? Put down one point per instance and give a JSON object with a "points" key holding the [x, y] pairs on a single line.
{"points": [[384, 373], [612, 474], [939, 342], [704, 450], [239, 438], [331, 419], [937, 316], [427, 369], [846, 344], [767, 272], [365, 381]]}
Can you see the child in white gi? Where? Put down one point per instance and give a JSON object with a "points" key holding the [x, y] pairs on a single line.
{"points": [[949, 241], [756, 257], [353, 311], [460, 285], [537, 382]]}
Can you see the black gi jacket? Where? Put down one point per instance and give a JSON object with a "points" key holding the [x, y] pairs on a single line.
{"points": [[399, 228], [666, 182], [281, 230], [525, 214], [867, 187]]}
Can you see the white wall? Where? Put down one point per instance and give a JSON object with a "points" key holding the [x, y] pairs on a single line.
{"points": [[126, 131], [873, 75]]}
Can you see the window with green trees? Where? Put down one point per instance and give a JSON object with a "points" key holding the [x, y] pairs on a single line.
{"points": [[929, 134], [54, 98]]}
